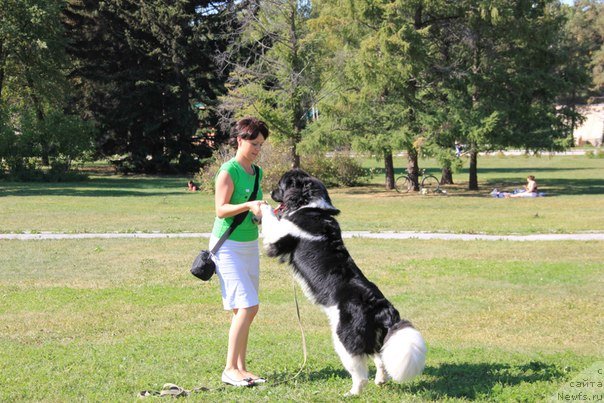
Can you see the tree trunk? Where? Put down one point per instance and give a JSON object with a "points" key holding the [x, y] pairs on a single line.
{"points": [[295, 157], [446, 176], [37, 104], [2, 59], [473, 185], [573, 122], [389, 167], [473, 182], [296, 67], [413, 168]]}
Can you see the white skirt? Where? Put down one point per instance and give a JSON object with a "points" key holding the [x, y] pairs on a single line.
{"points": [[238, 268]]}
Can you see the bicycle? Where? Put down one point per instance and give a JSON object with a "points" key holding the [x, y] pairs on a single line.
{"points": [[428, 184]]}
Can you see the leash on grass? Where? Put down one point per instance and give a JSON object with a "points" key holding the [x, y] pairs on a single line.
{"points": [[172, 390], [304, 350]]}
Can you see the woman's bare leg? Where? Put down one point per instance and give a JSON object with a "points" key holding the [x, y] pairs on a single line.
{"points": [[238, 338]]}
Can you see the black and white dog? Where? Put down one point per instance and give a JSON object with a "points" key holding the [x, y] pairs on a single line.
{"points": [[364, 323]]}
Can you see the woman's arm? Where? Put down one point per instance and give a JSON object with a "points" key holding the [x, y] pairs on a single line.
{"points": [[223, 194]]}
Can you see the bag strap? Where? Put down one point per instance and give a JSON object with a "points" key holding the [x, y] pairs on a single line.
{"points": [[239, 217]]}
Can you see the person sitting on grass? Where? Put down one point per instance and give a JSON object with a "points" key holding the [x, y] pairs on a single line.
{"points": [[192, 187], [530, 190]]}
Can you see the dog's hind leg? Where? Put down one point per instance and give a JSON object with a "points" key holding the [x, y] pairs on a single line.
{"points": [[356, 365], [381, 376]]}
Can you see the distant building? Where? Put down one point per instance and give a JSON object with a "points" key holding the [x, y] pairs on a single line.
{"points": [[592, 129]]}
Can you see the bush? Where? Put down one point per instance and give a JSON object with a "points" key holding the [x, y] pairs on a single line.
{"points": [[205, 177], [274, 161], [594, 153], [338, 170], [341, 169], [320, 166], [58, 140]]}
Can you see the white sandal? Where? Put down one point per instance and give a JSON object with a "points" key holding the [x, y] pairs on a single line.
{"points": [[233, 382]]}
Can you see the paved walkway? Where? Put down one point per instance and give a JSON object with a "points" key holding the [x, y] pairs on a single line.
{"points": [[346, 234]]}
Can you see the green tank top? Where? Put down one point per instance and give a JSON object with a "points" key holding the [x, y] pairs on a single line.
{"points": [[244, 185]]}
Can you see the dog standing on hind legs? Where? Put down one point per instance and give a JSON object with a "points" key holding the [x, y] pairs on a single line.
{"points": [[303, 231]]}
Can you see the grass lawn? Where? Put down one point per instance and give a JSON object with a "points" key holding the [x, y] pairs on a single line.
{"points": [[101, 320], [575, 187]]}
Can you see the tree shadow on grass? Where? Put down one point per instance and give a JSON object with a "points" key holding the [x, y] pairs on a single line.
{"points": [[519, 171], [99, 187], [464, 171], [551, 188]]}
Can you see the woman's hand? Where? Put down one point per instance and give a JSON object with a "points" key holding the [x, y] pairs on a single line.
{"points": [[254, 207]]}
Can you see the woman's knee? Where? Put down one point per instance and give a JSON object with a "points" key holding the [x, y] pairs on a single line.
{"points": [[250, 312], [254, 309]]}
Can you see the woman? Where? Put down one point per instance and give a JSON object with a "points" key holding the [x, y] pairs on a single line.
{"points": [[237, 260], [530, 190]]}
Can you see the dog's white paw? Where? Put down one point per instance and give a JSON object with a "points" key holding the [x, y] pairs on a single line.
{"points": [[357, 388], [381, 377], [267, 210]]}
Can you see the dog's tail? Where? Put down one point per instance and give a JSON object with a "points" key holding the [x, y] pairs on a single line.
{"points": [[404, 352]]}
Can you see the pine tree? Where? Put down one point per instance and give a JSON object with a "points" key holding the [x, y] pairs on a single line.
{"points": [[505, 74], [380, 73], [141, 69]]}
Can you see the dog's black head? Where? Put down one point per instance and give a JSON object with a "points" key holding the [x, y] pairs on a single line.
{"points": [[297, 189]]}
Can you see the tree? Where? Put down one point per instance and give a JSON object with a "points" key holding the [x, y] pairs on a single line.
{"points": [[141, 67], [583, 50], [273, 64], [586, 28], [381, 69], [504, 72], [32, 57], [31, 48], [33, 68]]}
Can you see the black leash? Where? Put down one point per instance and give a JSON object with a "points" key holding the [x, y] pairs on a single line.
{"points": [[304, 350]]}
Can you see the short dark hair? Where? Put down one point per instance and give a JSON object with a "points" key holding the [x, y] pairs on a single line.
{"points": [[247, 128]]}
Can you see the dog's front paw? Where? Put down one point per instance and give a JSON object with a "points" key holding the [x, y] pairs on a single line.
{"points": [[267, 210], [271, 250]]}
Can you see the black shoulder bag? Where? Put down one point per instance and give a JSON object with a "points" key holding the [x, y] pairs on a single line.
{"points": [[203, 266]]}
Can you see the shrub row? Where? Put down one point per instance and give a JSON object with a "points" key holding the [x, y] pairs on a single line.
{"points": [[339, 169]]}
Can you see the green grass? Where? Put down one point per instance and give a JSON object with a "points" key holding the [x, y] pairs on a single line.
{"points": [[575, 187], [101, 320]]}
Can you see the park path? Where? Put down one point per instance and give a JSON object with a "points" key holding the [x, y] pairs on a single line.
{"points": [[597, 236]]}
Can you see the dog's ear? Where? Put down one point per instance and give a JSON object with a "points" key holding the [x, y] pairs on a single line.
{"points": [[294, 197], [332, 211], [317, 198]]}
